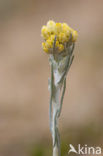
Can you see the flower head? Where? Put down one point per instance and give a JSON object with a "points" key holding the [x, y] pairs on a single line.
{"points": [[63, 34]]}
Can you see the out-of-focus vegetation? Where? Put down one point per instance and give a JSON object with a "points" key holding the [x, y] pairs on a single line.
{"points": [[91, 135]]}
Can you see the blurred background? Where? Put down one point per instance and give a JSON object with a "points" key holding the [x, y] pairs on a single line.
{"points": [[24, 72]]}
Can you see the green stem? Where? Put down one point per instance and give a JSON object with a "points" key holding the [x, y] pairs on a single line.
{"points": [[58, 84], [55, 132]]}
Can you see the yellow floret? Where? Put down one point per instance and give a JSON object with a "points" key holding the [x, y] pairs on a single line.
{"points": [[50, 23], [52, 37], [44, 32], [74, 36], [49, 44], [58, 28], [44, 47], [62, 37], [57, 43], [65, 26], [66, 29], [61, 47], [51, 26]]}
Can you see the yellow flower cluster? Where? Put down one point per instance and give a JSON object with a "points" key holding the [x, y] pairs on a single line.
{"points": [[62, 32]]}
